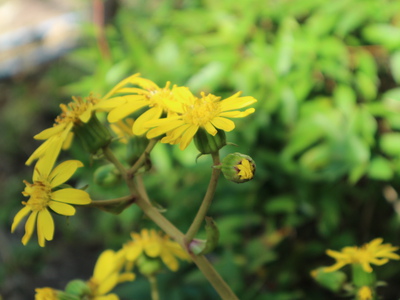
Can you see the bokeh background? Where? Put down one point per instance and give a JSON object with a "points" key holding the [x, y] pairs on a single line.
{"points": [[325, 135]]}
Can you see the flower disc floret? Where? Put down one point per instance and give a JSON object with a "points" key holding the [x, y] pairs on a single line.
{"points": [[44, 197]]}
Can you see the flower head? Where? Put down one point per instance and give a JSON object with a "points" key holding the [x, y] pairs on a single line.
{"points": [[46, 293], [44, 197], [148, 95], [60, 136], [207, 111], [153, 245], [238, 167], [107, 274], [364, 293], [373, 252]]}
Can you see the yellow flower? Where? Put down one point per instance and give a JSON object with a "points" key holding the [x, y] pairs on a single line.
{"points": [[154, 245], [43, 195], [46, 293], [60, 136], [373, 252], [364, 293], [106, 275], [157, 100], [208, 112]]}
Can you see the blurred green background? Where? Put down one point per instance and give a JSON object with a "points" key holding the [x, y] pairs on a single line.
{"points": [[325, 138]]}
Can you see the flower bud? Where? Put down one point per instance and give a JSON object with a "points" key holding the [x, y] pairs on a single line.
{"points": [[77, 287], [107, 176], [207, 143], [93, 134], [149, 265], [238, 167]]}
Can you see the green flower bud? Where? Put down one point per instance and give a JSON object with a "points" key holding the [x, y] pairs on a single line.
{"points": [[93, 134], [238, 167], [107, 176], [77, 287], [207, 143], [149, 265]]}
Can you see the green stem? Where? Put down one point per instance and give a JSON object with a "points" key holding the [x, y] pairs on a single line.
{"points": [[143, 202], [101, 203], [205, 205], [143, 156], [154, 288], [111, 157]]}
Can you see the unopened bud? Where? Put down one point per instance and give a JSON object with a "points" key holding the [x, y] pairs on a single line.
{"points": [[238, 167]]}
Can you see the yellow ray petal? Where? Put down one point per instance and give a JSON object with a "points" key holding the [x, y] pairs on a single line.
{"points": [[62, 208], [29, 227], [121, 84], [104, 265], [72, 196], [107, 297], [163, 129], [237, 113], [224, 124], [169, 260], [210, 128], [176, 133], [133, 251], [233, 104], [188, 136], [19, 216], [85, 116], [152, 114], [107, 105], [125, 110], [63, 172], [45, 225], [49, 132]]}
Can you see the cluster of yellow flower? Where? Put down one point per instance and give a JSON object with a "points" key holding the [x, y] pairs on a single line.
{"points": [[174, 112], [146, 251]]}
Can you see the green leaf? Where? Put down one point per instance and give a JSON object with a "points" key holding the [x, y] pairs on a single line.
{"points": [[280, 204], [395, 66], [390, 143], [380, 168]]}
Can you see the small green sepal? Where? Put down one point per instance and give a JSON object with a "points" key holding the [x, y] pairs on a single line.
{"points": [[201, 247], [93, 135], [77, 287], [207, 143]]}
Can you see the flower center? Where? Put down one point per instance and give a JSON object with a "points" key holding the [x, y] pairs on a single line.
{"points": [[72, 111], [203, 110], [39, 193], [162, 97]]}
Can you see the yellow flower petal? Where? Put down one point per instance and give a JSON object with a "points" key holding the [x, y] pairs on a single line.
{"points": [[107, 297], [72, 196], [237, 113], [152, 114], [63, 172], [169, 260], [210, 128], [29, 227], [49, 132], [163, 129], [176, 133], [107, 105], [188, 136], [233, 103], [45, 226], [121, 84], [19, 216], [125, 110], [224, 124], [133, 250], [104, 265], [107, 284], [62, 208]]}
